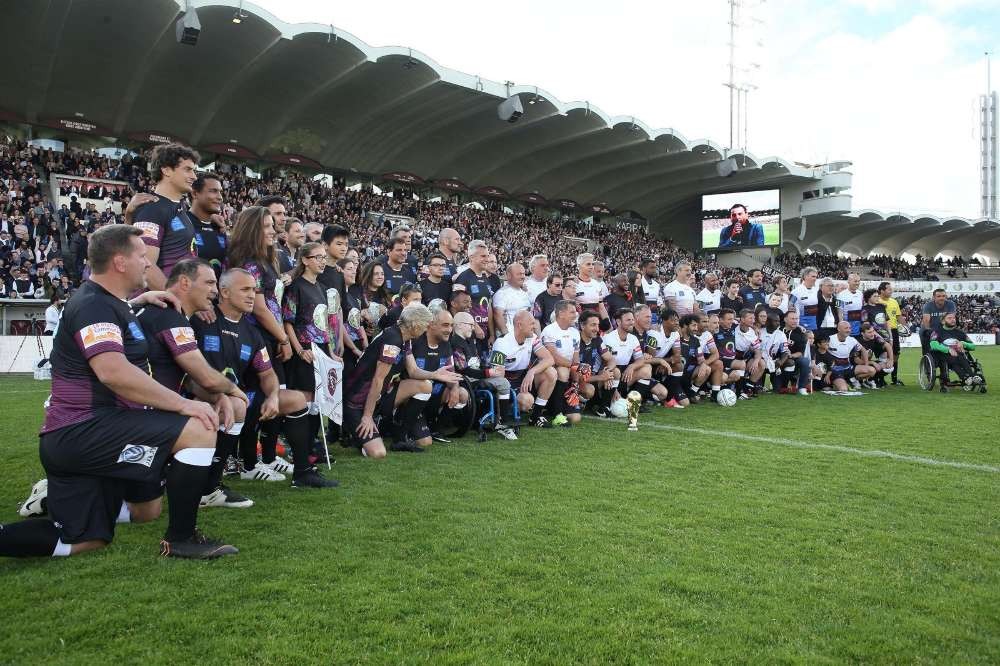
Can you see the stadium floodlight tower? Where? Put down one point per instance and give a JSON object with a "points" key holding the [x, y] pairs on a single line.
{"points": [[989, 159]]}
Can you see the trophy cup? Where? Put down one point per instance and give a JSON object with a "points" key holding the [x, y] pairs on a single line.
{"points": [[634, 403]]}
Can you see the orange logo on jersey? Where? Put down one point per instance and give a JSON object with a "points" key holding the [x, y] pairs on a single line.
{"points": [[95, 334], [183, 335]]}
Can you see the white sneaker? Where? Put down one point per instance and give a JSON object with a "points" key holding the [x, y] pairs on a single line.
{"points": [[280, 465], [262, 472], [219, 497], [507, 433], [803, 391], [855, 383], [35, 504]]}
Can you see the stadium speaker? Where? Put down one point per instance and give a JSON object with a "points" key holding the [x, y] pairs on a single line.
{"points": [[510, 109], [726, 167], [188, 28]]}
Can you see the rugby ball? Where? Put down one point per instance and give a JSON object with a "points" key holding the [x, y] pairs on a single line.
{"points": [[726, 398], [619, 408]]}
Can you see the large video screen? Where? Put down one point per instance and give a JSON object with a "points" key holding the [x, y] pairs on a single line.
{"points": [[741, 220]]}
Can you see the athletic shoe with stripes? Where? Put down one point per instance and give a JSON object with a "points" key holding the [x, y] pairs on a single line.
{"points": [[281, 466], [261, 472]]}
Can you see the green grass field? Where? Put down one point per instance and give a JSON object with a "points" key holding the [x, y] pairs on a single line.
{"points": [[769, 532], [772, 236]]}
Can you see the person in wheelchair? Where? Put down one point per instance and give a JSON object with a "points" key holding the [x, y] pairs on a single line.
{"points": [[949, 345], [468, 363]]}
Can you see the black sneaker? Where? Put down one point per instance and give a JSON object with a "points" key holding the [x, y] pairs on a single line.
{"points": [[898, 382], [311, 478], [406, 446], [602, 411], [196, 547], [541, 422], [233, 466]]}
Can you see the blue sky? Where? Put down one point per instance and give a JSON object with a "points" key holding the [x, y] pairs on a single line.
{"points": [[891, 85]]}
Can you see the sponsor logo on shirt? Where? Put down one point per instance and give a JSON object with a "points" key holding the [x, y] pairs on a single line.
{"points": [[245, 352], [177, 224], [212, 343], [182, 335], [138, 454], [264, 356], [149, 229], [198, 240], [390, 350], [136, 331], [95, 334]]}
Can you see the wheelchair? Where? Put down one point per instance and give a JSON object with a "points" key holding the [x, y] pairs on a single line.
{"points": [[486, 412], [933, 369]]}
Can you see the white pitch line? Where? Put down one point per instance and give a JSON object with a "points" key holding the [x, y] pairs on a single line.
{"points": [[868, 453]]}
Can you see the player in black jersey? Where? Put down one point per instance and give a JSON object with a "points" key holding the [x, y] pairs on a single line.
{"points": [[468, 363], [110, 427], [397, 271], [376, 387], [734, 368], [476, 283], [336, 241], [695, 370], [432, 351], [206, 217], [880, 355], [166, 228], [545, 302], [620, 296], [731, 300], [235, 347], [310, 320], [437, 285], [599, 376]]}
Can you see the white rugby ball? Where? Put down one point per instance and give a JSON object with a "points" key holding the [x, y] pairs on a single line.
{"points": [[726, 398], [619, 408]]}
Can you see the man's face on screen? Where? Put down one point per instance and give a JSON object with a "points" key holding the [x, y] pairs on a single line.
{"points": [[738, 215]]}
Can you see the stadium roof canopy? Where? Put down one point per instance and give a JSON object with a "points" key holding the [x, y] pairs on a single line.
{"points": [[316, 96], [872, 232]]}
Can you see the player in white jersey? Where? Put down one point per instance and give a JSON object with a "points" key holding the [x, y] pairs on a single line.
{"points": [[850, 301], [650, 289], [709, 299], [850, 359], [528, 366], [805, 299], [678, 295], [637, 368], [537, 280], [774, 349], [510, 299], [590, 293], [748, 348], [562, 340]]}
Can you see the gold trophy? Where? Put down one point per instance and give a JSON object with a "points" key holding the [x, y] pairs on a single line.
{"points": [[634, 403]]}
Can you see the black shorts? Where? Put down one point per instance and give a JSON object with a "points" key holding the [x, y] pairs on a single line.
{"points": [[299, 374], [120, 454], [384, 409]]}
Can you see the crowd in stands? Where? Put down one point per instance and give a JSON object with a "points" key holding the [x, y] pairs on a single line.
{"points": [[36, 261]]}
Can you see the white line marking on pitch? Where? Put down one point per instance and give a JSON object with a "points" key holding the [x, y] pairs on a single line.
{"points": [[870, 453]]}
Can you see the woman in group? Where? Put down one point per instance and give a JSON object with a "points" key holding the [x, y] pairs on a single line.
{"points": [[307, 321], [251, 247], [371, 289], [355, 337]]}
